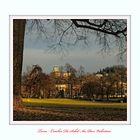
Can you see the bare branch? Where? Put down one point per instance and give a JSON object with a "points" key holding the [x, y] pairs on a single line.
{"points": [[104, 27], [65, 32]]}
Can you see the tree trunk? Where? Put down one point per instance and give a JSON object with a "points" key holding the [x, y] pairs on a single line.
{"points": [[18, 44]]}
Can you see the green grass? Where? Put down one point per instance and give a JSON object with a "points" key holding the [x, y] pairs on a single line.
{"points": [[70, 103]]}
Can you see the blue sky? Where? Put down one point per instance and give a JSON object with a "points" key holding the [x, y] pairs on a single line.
{"points": [[36, 51]]}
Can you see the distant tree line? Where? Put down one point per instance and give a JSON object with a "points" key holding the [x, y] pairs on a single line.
{"points": [[106, 83]]}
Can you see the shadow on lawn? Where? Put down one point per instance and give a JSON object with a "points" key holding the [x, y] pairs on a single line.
{"points": [[69, 114]]}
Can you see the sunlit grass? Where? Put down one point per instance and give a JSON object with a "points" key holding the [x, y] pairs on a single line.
{"points": [[48, 103]]}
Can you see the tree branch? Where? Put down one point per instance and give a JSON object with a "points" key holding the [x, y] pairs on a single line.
{"points": [[97, 27], [93, 24], [65, 31]]}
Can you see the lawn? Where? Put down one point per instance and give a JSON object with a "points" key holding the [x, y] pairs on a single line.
{"points": [[69, 110], [30, 102]]}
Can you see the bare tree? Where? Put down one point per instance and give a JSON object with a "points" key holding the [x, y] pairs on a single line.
{"points": [[71, 77], [81, 71]]}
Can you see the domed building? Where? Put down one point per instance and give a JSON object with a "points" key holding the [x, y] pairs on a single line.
{"points": [[56, 71]]}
